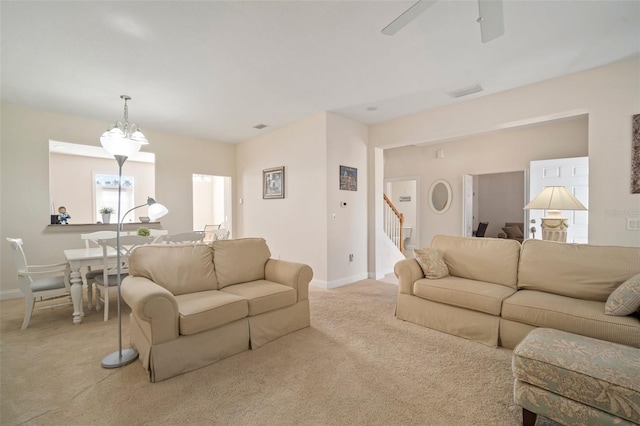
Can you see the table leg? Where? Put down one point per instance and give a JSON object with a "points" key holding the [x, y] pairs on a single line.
{"points": [[76, 295]]}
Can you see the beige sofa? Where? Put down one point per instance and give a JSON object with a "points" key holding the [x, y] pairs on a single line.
{"points": [[499, 290], [194, 304]]}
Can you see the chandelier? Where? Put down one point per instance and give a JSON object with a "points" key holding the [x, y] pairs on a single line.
{"points": [[123, 137]]}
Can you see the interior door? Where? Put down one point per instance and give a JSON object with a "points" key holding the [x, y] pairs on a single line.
{"points": [[572, 173], [467, 205]]}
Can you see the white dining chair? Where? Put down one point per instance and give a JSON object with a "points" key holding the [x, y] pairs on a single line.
{"points": [[208, 233], [109, 278], [94, 237], [40, 283], [184, 237], [89, 277], [221, 234]]}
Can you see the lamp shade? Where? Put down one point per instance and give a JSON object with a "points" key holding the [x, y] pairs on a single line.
{"points": [[115, 142], [555, 198], [156, 211]]}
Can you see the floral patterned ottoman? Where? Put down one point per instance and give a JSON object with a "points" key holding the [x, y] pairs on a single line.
{"points": [[576, 380]]}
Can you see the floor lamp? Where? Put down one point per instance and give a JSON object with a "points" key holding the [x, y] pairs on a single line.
{"points": [[553, 199], [123, 140]]}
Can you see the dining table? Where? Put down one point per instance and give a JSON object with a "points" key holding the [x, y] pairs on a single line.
{"points": [[87, 257], [79, 258]]}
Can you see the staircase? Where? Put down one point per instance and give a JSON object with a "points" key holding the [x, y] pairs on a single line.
{"points": [[393, 221]]}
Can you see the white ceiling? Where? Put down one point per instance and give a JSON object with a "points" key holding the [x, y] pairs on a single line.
{"points": [[216, 69]]}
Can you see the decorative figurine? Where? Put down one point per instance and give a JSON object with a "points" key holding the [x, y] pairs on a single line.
{"points": [[63, 217]]}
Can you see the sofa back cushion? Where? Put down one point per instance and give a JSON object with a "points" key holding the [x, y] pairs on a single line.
{"points": [[581, 271], [240, 261], [180, 268], [492, 260]]}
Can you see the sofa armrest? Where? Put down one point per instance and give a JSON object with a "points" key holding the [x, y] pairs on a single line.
{"points": [[296, 275], [408, 271], [154, 306]]}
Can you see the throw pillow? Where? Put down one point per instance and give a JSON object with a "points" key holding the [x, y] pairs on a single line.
{"points": [[431, 263], [513, 232], [625, 299]]}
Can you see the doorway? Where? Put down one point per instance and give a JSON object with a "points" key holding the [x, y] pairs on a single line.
{"points": [[404, 194], [572, 173], [211, 201]]}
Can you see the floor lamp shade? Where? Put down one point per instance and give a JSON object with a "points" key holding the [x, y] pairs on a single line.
{"points": [[553, 199], [115, 143]]}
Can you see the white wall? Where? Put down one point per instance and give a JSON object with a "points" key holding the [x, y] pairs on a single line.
{"points": [[347, 234], [295, 227], [497, 152], [301, 226], [609, 95], [24, 156]]}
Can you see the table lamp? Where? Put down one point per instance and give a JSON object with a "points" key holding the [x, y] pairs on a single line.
{"points": [[553, 199]]}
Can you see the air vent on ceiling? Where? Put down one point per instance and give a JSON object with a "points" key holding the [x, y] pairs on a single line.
{"points": [[259, 126], [466, 91]]}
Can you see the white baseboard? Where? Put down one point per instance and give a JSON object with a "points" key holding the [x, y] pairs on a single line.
{"points": [[10, 294], [348, 280], [379, 276], [318, 283], [338, 283]]}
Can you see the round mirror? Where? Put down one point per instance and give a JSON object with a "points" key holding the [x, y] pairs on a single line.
{"points": [[440, 196]]}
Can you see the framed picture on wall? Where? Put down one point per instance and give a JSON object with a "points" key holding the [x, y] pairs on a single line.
{"points": [[348, 178], [273, 183]]}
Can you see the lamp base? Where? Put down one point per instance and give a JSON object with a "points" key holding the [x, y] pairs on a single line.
{"points": [[115, 360], [554, 228]]}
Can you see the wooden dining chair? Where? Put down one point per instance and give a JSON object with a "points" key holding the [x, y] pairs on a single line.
{"points": [[40, 283], [109, 278]]}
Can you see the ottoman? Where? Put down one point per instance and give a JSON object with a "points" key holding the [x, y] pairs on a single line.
{"points": [[576, 380]]}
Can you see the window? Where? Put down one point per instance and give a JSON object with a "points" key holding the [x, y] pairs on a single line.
{"points": [[106, 194]]}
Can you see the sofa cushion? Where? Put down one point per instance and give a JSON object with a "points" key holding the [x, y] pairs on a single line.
{"points": [[240, 261], [263, 296], [476, 295], [584, 317], [206, 310], [581, 271], [180, 268], [625, 299], [492, 260], [431, 263]]}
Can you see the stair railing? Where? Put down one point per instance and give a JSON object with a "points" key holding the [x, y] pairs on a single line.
{"points": [[393, 221]]}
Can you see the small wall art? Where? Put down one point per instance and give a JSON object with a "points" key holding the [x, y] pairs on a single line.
{"points": [[348, 178], [273, 183], [635, 155]]}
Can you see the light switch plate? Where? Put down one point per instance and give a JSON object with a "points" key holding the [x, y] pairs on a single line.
{"points": [[633, 224]]}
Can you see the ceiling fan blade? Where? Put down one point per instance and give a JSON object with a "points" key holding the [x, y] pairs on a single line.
{"points": [[409, 15], [491, 19]]}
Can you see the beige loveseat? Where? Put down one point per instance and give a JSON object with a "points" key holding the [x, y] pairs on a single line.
{"points": [[499, 290], [194, 304]]}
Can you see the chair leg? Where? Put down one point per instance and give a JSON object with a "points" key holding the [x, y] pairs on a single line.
{"points": [[97, 299], [528, 417], [105, 296], [29, 302], [90, 295]]}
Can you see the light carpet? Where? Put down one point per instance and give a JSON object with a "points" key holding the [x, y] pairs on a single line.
{"points": [[356, 365]]}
